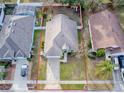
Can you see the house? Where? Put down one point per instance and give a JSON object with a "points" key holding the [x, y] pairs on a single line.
{"points": [[60, 37], [16, 37], [106, 32]]}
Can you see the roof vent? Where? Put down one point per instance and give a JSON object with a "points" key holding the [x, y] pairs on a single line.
{"points": [[14, 24], [9, 26], [12, 30]]}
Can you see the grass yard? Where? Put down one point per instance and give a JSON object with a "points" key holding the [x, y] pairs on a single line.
{"points": [[79, 36], [34, 60], [101, 86], [9, 1], [120, 11], [72, 86], [72, 70]]}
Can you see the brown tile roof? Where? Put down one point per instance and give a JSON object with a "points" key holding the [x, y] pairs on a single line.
{"points": [[105, 30]]}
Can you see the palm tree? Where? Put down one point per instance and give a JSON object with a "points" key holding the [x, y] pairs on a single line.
{"points": [[104, 69]]}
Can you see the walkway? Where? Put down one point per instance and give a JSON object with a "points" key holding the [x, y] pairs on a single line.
{"points": [[19, 83], [61, 82], [40, 28]]}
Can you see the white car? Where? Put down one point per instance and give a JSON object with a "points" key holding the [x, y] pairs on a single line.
{"points": [[24, 70]]}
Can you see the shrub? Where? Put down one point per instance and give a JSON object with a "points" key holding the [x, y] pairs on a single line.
{"points": [[89, 44], [42, 46], [3, 75], [100, 52]]}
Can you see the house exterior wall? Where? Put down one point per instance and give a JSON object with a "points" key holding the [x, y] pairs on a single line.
{"points": [[1, 16], [91, 35]]}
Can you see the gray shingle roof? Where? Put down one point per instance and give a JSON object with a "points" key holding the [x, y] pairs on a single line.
{"points": [[16, 36], [59, 31]]}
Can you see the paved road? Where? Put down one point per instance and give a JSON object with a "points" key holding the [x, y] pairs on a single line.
{"points": [[19, 83], [118, 83]]}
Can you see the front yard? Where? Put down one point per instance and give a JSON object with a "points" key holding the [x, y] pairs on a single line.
{"points": [[72, 70]]}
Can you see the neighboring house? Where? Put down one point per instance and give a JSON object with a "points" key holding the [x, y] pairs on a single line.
{"points": [[2, 6], [60, 36], [106, 32], [16, 37]]}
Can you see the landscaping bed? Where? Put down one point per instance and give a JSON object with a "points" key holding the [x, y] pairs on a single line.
{"points": [[72, 86], [5, 86], [39, 15], [8, 72]]}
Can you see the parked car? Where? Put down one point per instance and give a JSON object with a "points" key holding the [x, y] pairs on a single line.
{"points": [[121, 63], [116, 63], [24, 70]]}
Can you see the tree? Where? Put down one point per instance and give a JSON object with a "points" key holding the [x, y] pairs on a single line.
{"points": [[104, 69], [117, 3]]}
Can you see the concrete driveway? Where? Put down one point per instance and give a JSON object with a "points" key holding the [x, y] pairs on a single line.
{"points": [[53, 73], [19, 81], [118, 83]]}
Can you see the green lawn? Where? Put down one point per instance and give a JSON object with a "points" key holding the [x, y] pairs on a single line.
{"points": [[9, 1], [72, 70], [120, 11], [79, 36], [72, 86], [37, 34], [34, 59]]}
